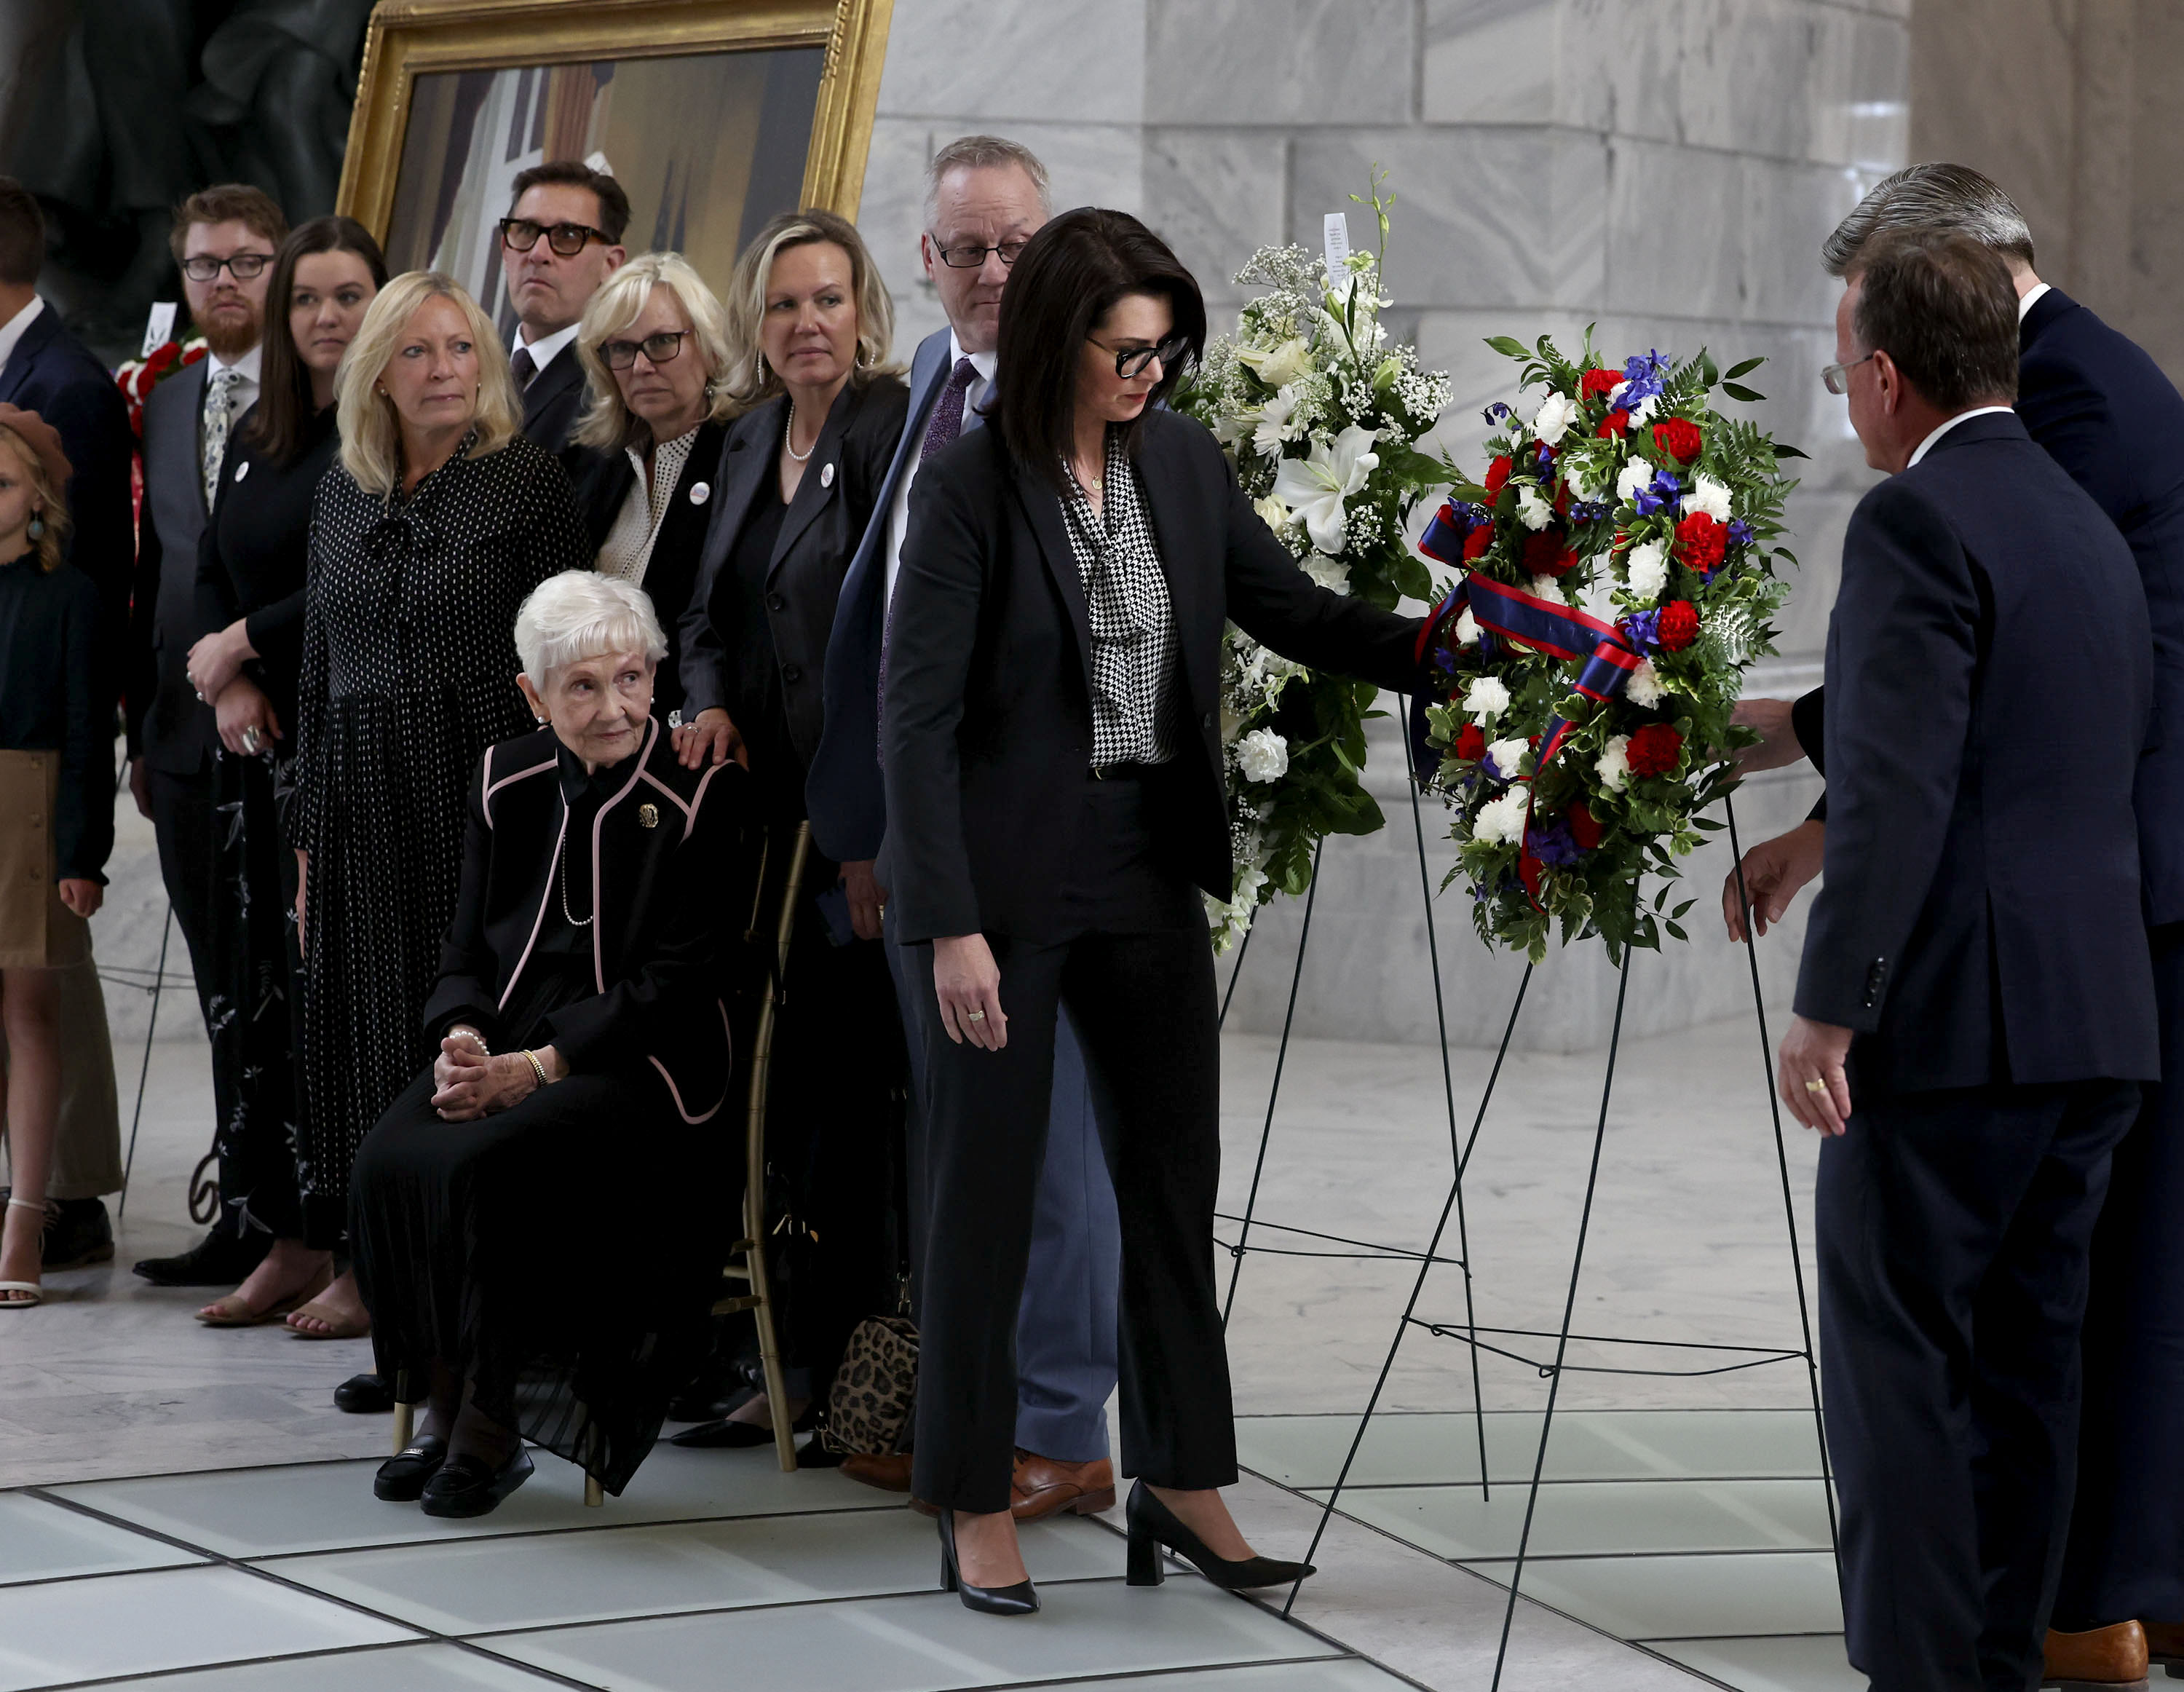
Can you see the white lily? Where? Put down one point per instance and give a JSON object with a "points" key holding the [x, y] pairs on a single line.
{"points": [[1273, 424], [1314, 488]]}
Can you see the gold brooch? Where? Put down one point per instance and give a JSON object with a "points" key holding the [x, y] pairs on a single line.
{"points": [[648, 816]]}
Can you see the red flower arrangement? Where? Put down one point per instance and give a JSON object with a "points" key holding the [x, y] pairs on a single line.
{"points": [[1702, 544], [1679, 438], [1654, 750], [1600, 383], [1548, 553], [1497, 473], [1584, 828], [1678, 626], [1616, 423], [1471, 743]]}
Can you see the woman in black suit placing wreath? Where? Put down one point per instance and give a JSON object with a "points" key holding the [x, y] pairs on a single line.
{"points": [[1053, 761], [579, 992]]}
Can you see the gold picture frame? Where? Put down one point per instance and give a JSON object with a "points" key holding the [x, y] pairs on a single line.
{"points": [[420, 49]]}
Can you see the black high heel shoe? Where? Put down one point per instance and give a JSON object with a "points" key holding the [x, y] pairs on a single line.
{"points": [[1020, 1599], [1153, 1524]]}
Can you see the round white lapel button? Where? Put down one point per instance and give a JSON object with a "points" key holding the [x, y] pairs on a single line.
{"points": [[242, 470], [826, 475], [700, 492]]}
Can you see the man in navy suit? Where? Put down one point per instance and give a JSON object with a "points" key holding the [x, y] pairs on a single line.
{"points": [[45, 369], [2102, 410], [985, 197], [1975, 1008]]}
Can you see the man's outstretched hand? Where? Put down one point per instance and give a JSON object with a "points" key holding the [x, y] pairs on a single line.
{"points": [[1774, 872]]}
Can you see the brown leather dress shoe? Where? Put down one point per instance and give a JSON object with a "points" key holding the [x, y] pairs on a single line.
{"points": [[890, 1473], [1045, 1486], [2164, 1644], [2100, 1657]]}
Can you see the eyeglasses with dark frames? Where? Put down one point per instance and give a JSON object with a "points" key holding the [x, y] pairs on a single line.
{"points": [[1836, 378], [658, 349], [1131, 362], [969, 257], [520, 234], [244, 267]]}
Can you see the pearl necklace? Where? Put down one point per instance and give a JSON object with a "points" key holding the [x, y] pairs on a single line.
{"points": [[788, 440], [572, 921]]}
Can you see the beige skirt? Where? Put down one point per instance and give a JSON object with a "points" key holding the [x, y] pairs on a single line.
{"points": [[37, 932]]}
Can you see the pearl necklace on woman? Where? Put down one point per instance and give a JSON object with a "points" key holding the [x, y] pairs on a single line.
{"points": [[788, 441]]}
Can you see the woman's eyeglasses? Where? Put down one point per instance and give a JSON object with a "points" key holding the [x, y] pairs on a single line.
{"points": [[520, 234], [658, 349], [1132, 362], [244, 267], [1836, 378], [970, 258]]}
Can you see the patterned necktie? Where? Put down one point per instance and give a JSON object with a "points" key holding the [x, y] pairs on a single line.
{"points": [[524, 367], [948, 410], [218, 393]]}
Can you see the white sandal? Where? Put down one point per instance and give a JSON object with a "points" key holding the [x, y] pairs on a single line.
{"points": [[37, 1294]]}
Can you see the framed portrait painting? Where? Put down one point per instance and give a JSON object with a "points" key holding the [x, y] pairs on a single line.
{"points": [[713, 115]]}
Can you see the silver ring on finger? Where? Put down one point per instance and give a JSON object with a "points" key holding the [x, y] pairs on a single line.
{"points": [[974, 1016]]}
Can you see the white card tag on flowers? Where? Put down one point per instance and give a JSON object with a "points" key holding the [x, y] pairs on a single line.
{"points": [[1335, 229], [159, 327]]}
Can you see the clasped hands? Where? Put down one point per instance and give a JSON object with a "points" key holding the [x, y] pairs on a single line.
{"points": [[469, 1084], [245, 716]]}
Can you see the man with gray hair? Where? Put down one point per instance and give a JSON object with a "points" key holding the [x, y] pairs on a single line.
{"points": [[985, 197], [2103, 410]]}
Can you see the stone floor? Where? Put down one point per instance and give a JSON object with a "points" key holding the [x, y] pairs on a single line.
{"points": [[186, 1504]]}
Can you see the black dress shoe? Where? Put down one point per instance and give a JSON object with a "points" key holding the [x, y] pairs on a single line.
{"points": [[724, 1435], [711, 1405], [401, 1478], [218, 1260], [1153, 1524], [1019, 1600], [364, 1395], [470, 1486], [78, 1232]]}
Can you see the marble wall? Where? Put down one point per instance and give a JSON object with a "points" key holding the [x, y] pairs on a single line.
{"points": [[1664, 170]]}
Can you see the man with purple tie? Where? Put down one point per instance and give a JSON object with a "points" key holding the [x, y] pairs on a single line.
{"points": [[984, 199], [559, 241]]}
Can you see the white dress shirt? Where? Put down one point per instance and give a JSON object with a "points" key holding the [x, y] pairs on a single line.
{"points": [[545, 350], [11, 332], [1927, 445], [2025, 302], [243, 394], [899, 511]]}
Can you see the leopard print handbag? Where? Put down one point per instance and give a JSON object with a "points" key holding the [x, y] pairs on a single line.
{"points": [[868, 1411]]}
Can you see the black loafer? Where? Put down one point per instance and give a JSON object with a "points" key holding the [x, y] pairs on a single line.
{"points": [[724, 1435], [218, 1260], [364, 1395], [468, 1486], [401, 1478]]}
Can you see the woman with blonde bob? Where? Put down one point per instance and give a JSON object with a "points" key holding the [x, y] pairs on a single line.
{"points": [[654, 343], [578, 1024], [436, 521]]}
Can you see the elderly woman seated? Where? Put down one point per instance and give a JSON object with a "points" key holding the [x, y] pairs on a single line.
{"points": [[582, 1037]]}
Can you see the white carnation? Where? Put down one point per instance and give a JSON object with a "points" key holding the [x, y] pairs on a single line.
{"points": [[1643, 411], [1263, 755], [1509, 756], [1546, 587], [1644, 688], [1575, 479], [1647, 569], [1613, 766], [1486, 698], [1708, 496], [1467, 629], [1633, 479], [1501, 821], [1532, 511], [1556, 412], [1327, 572]]}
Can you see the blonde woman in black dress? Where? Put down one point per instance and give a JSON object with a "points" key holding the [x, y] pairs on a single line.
{"points": [[436, 521]]}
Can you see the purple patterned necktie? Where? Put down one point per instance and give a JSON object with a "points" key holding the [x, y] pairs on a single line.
{"points": [[523, 367], [948, 410]]}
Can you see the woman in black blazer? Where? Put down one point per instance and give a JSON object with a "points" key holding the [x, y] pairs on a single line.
{"points": [[580, 1023], [654, 344], [799, 479], [1053, 760]]}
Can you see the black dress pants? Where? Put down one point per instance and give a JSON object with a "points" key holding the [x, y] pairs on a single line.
{"points": [[1136, 972], [1953, 1234]]}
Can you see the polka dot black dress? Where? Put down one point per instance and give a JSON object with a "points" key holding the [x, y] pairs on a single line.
{"points": [[408, 673]]}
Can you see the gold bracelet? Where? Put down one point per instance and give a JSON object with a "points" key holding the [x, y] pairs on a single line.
{"points": [[537, 1068]]}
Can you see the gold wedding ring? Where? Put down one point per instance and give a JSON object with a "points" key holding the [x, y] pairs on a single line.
{"points": [[1816, 1087], [974, 1016]]}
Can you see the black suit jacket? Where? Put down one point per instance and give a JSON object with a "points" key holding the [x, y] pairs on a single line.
{"points": [[1990, 675], [987, 730], [55, 374], [819, 534], [672, 853], [555, 400], [602, 482], [167, 724]]}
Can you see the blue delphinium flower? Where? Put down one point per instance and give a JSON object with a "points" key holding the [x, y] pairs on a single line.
{"points": [[1739, 533], [1546, 458], [1663, 490], [1554, 844], [1642, 629], [1645, 375], [1496, 412], [1589, 511]]}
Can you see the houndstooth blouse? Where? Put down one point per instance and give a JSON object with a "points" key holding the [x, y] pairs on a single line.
{"points": [[1133, 643]]}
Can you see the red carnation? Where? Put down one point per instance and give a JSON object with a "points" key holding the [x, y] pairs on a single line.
{"points": [[1601, 383], [1476, 543], [1583, 826], [1701, 543], [1497, 473], [1617, 422], [163, 355], [1678, 624], [1545, 555], [1679, 438], [194, 354], [1654, 750], [1471, 743]]}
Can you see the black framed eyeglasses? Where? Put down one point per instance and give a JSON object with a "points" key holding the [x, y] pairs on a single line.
{"points": [[520, 234], [244, 267], [659, 348], [1132, 362], [1836, 378], [969, 257]]}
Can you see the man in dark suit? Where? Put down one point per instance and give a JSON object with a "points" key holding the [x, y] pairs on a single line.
{"points": [[984, 198], [2102, 410], [45, 369], [224, 240], [561, 238], [1975, 1005]]}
